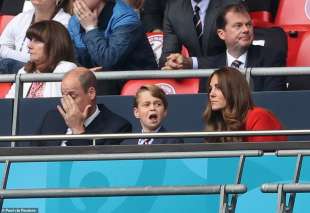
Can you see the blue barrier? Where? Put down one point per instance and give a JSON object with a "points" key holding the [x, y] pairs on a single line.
{"points": [[258, 170], [184, 112]]}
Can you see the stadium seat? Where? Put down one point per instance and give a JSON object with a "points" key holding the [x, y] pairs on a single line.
{"points": [[4, 88], [170, 86], [292, 12], [301, 60], [4, 20], [261, 19]]}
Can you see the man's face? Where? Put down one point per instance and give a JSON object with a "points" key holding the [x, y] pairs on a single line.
{"points": [[72, 87], [150, 110], [238, 32]]}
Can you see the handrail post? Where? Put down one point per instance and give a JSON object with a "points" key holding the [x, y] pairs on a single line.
{"points": [[5, 178], [290, 207], [281, 199], [223, 200], [18, 94], [234, 197]]}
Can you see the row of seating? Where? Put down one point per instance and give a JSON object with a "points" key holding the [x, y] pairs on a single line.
{"points": [[292, 17]]}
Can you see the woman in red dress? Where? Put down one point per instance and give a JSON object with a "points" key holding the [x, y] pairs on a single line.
{"points": [[231, 108]]}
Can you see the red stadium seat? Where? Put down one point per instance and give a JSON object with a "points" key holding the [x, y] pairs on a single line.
{"points": [[302, 57], [261, 18], [4, 88], [4, 20], [170, 86], [294, 41], [301, 60], [292, 12]]}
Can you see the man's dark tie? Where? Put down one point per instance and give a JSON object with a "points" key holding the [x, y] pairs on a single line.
{"points": [[236, 64], [197, 21]]}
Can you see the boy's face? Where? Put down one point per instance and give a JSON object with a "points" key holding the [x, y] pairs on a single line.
{"points": [[150, 110]]}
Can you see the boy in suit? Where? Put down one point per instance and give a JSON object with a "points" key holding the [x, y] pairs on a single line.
{"points": [[150, 107]]}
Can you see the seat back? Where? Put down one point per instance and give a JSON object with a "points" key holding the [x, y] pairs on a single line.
{"points": [[170, 86], [4, 20], [301, 60], [292, 12], [4, 88]]}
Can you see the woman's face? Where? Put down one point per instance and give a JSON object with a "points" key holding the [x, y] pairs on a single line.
{"points": [[216, 97], [37, 51]]}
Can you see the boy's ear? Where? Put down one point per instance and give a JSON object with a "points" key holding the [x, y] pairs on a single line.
{"points": [[135, 112], [165, 113]]}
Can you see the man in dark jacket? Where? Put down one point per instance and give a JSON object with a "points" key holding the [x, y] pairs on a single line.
{"points": [[80, 114]]}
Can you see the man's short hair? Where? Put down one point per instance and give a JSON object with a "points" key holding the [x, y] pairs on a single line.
{"points": [[87, 80], [221, 18], [155, 91]]}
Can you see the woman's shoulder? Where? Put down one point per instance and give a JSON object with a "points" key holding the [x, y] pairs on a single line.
{"points": [[64, 66], [62, 17], [262, 118], [24, 16], [259, 111]]}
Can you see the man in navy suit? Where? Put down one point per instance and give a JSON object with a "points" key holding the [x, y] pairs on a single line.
{"points": [[179, 28], [80, 114], [234, 27], [150, 107]]}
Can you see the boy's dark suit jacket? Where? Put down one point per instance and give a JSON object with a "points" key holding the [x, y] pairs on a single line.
{"points": [[105, 122], [156, 140]]}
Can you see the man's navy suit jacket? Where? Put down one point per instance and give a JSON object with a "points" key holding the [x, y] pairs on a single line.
{"points": [[106, 122], [257, 56]]}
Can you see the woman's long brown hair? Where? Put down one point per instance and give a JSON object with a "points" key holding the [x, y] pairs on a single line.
{"points": [[58, 45], [237, 93]]}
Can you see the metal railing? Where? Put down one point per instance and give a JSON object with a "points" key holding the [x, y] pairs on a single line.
{"points": [[224, 190], [291, 188]]}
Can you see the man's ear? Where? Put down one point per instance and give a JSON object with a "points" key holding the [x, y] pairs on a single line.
{"points": [[135, 112], [221, 34], [92, 93]]}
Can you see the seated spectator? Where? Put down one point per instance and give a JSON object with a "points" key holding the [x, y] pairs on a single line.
{"points": [[150, 107], [51, 51], [231, 108], [13, 40], [192, 24], [234, 27], [108, 35], [80, 114]]}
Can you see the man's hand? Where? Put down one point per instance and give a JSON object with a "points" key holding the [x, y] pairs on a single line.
{"points": [[176, 61], [88, 19], [72, 115]]}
